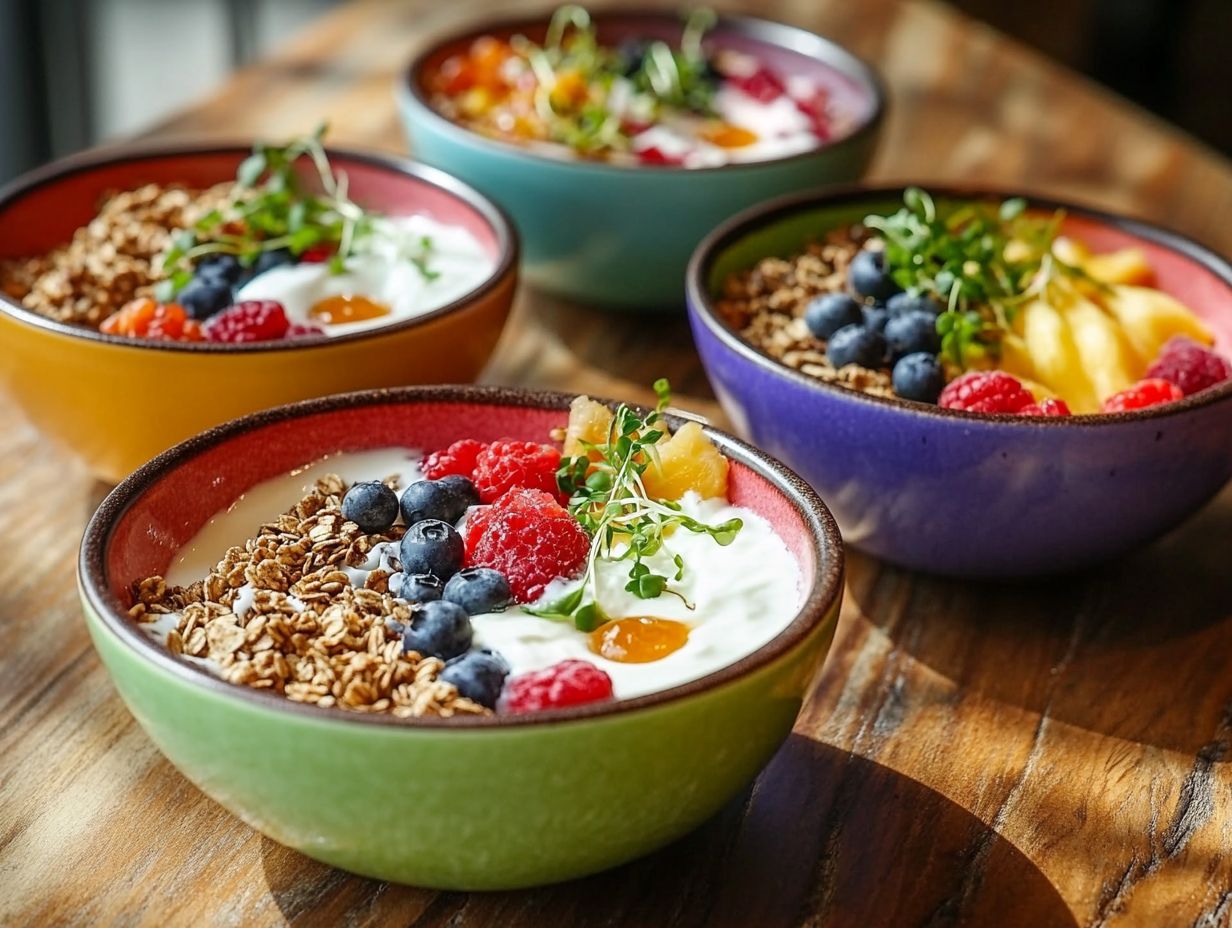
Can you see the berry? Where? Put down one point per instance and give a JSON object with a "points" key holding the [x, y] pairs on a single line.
{"points": [[503, 465], [431, 547], [867, 276], [438, 629], [479, 590], [530, 538], [854, 344], [1190, 366], [268, 260], [428, 499], [463, 490], [458, 458], [249, 321], [417, 588], [1048, 407], [569, 683], [303, 330], [317, 254], [762, 85], [986, 391], [219, 268], [906, 302], [828, 313], [918, 377], [202, 297], [145, 318], [912, 332], [656, 155], [371, 505], [478, 675], [1143, 394], [875, 318]]}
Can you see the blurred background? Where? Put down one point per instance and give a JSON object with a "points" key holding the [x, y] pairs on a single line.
{"points": [[77, 72]]}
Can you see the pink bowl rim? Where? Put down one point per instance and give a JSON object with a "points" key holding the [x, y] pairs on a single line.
{"points": [[766, 31], [497, 219], [701, 302], [823, 589]]}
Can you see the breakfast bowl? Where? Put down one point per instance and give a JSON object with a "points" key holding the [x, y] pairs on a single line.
{"points": [[471, 801], [117, 400], [616, 227], [942, 488]]}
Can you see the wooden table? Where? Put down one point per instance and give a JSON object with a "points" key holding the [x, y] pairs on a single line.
{"points": [[1043, 754]]}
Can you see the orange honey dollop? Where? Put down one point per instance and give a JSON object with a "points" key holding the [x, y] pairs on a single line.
{"points": [[334, 310], [638, 639], [726, 135]]}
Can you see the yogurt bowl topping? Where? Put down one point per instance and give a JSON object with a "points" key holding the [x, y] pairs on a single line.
{"points": [[506, 576]]}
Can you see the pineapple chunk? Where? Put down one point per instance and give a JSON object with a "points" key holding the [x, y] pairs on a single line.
{"points": [[588, 421], [1110, 364], [687, 461], [1058, 365], [1151, 317]]}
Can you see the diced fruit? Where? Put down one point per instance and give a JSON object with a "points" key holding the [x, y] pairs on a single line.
{"points": [[417, 588], [431, 547], [430, 499], [1150, 317], [986, 392], [1127, 266], [530, 538], [1047, 407], [371, 505], [687, 461], [828, 313], [146, 318], [249, 321], [1055, 357], [1106, 357], [1189, 365], [912, 332], [918, 377], [504, 465], [458, 458], [867, 276], [1143, 394], [569, 683], [438, 629], [478, 675], [589, 422], [854, 344], [479, 590]]}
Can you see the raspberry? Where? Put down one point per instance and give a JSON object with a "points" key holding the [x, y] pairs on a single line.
{"points": [[528, 537], [1190, 366], [249, 321], [762, 85], [303, 330], [1049, 407], [656, 155], [458, 458], [569, 683], [503, 465], [1143, 394], [985, 391], [317, 254]]}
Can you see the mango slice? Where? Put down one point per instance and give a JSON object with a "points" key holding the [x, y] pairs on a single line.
{"points": [[1151, 317], [1058, 366], [1110, 364]]}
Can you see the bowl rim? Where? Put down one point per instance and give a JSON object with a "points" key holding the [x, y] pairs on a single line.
{"points": [[785, 36], [701, 307], [505, 233], [822, 592]]}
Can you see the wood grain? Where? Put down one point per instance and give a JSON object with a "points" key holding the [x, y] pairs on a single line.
{"points": [[1044, 754]]}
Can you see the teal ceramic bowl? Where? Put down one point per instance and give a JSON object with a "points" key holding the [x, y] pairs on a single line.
{"points": [[477, 803], [621, 236]]}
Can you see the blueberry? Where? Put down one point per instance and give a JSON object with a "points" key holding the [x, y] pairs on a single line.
{"points": [[417, 588], [854, 344], [219, 268], [430, 499], [875, 317], [431, 547], [901, 303], [463, 490], [371, 505], [918, 377], [912, 332], [202, 297], [438, 629], [268, 260], [479, 590], [479, 676], [828, 313], [867, 276], [631, 54]]}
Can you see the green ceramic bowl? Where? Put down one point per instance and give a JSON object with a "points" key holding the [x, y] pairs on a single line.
{"points": [[621, 236], [486, 803]]}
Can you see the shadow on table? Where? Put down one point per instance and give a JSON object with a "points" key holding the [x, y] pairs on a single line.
{"points": [[1136, 649], [824, 837]]}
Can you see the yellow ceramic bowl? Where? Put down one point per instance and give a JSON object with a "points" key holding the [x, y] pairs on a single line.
{"points": [[117, 402]]}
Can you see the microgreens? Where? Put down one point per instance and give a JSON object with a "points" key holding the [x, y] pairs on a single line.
{"points": [[271, 210], [980, 262], [608, 498]]}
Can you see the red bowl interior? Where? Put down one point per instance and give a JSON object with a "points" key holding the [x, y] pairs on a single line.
{"points": [[179, 501], [38, 219]]}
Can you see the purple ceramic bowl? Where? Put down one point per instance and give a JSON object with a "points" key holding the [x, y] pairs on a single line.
{"points": [[959, 493]]}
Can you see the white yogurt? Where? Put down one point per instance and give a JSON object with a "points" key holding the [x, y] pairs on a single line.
{"points": [[383, 273], [739, 597]]}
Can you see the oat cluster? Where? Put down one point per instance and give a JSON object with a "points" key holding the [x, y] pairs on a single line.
{"points": [[765, 305], [305, 631], [111, 260]]}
